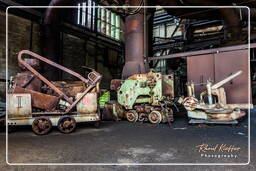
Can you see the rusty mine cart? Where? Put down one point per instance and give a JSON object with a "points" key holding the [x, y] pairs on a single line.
{"points": [[34, 100]]}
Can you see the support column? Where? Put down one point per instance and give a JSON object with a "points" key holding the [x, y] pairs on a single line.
{"points": [[134, 43], [51, 36]]}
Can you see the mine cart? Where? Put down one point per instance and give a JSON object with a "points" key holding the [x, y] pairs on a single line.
{"points": [[34, 100], [145, 97]]}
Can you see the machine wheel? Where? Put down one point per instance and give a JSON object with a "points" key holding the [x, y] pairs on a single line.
{"points": [[41, 126], [155, 117], [66, 124], [132, 116]]}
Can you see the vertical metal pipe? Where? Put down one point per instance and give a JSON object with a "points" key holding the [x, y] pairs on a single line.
{"points": [[134, 43], [189, 90], [193, 89], [209, 92]]}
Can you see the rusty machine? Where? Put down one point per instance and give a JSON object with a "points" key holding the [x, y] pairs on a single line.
{"points": [[212, 106], [34, 100], [145, 97]]}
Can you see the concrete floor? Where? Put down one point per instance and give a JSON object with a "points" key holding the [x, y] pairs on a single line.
{"points": [[124, 142]]}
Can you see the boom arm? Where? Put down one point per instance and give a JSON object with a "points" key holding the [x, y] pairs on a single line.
{"points": [[222, 82]]}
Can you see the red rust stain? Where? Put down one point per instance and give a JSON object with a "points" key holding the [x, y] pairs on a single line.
{"points": [[134, 25], [86, 100]]}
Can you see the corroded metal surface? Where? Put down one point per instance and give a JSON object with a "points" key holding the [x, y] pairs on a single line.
{"points": [[115, 84], [32, 62], [20, 105], [91, 83], [52, 100], [52, 64], [168, 85], [28, 80], [66, 124], [70, 88], [94, 78], [41, 125], [141, 94], [132, 116], [39, 100], [134, 44], [214, 109], [88, 104], [216, 116], [113, 111], [54, 119]]}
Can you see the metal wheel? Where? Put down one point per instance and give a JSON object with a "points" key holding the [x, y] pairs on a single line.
{"points": [[66, 124], [41, 126], [155, 117], [132, 116]]}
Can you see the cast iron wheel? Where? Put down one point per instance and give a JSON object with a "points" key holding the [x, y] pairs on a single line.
{"points": [[66, 124], [155, 117], [41, 126], [132, 116]]}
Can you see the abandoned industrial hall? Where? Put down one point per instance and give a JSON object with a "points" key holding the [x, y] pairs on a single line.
{"points": [[127, 84]]}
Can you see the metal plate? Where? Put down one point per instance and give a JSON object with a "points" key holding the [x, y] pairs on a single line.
{"points": [[19, 105], [196, 121], [40, 100], [228, 63], [88, 103], [199, 70]]}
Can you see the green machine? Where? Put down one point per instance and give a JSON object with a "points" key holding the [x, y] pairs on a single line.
{"points": [[146, 97]]}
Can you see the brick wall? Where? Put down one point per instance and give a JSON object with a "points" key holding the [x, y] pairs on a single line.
{"points": [[76, 52], [73, 55], [18, 39]]}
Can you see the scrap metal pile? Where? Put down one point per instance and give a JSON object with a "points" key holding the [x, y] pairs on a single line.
{"points": [[145, 97], [34, 100], [212, 106]]}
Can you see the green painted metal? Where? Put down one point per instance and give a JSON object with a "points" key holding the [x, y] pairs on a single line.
{"points": [[105, 97], [143, 88]]}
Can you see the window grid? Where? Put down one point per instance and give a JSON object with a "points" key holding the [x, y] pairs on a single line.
{"points": [[100, 19]]}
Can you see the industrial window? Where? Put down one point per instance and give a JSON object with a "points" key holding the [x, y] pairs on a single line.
{"points": [[86, 16], [109, 23], [100, 19]]}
